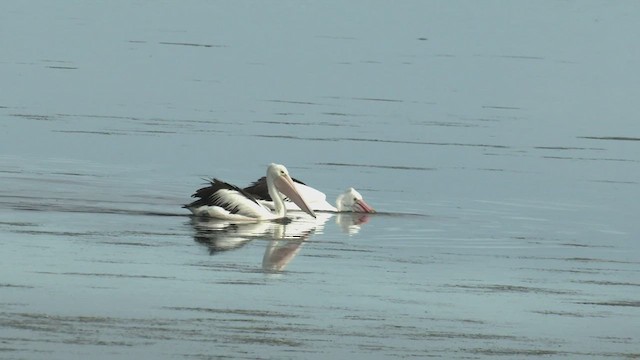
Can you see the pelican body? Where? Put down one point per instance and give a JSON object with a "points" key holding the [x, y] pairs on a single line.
{"points": [[225, 201], [348, 201]]}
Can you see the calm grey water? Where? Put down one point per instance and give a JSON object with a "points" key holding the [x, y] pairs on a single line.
{"points": [[498, 140]]}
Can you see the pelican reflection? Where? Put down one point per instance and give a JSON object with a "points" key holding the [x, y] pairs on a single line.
{"points": [[351, 223], [285, 236]]}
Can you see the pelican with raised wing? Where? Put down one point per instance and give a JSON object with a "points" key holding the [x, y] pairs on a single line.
{"points": [[222, 200], [348, 201]]}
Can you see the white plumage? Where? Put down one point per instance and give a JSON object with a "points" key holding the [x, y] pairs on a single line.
{"points": [[222, 200]]}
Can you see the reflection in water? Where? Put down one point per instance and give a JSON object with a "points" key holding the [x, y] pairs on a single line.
{"points": [[279, 253], [351, 223], [285, 237]]}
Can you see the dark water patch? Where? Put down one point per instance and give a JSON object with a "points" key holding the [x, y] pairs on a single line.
{"points": [[56, 233], [62, 67], [266, 340], [419, 333], [145, 121], [363, 317], [615, 303], [79, 208], [486, 119], [427, 143], [499, 288], [567, 314], [33, 117], [567, 271], [409, 142], [462, 335], [372, 166], [606, 283], [239, 312], [230, 267], [48, 319], [88, 132], [153, 123], [240, 282], [566, 148], [127, 243], [107, 275], [288, 114], [344, 249], [334, 124], [597, 260], [152, 132], [586, 245], [515, 352], [298, 123], [95, 116], [5, 285], [18, 223], [56, 61], [295, 123], [490, 169], [588, 159], [498, 107], [446, 124], [45, 177], [290, 137], [339, 114], [386, 214], [615, 182], [614, 138], [117, 132], [615, 339], [322, 256], [293, 102], [73, 174], [377, 99], [138, 41], [191, 44]]}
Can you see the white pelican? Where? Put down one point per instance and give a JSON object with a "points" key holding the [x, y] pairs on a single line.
{"points": [[349, 201], [228, 202]]}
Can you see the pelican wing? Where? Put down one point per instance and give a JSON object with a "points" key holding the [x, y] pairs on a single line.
{"points": [[310, 194], [223, 198], [315, 198]]}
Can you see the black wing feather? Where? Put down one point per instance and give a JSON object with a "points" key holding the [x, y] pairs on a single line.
{"points": [[207, 196]]}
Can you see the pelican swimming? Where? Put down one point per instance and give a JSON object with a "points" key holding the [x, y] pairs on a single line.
{"points": [[348, 201], [222, 200]]}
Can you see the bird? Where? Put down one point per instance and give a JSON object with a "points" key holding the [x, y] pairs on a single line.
{"points": [[225, 201], [349, 201]]}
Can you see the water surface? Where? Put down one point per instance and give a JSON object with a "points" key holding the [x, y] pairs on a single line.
{"points": [[498, 141]]}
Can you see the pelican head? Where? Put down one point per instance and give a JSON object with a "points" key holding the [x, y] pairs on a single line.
{"points": [[280, 183], [351, 200]]}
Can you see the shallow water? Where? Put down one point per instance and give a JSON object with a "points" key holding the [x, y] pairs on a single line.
{"points": [[498, 141]]}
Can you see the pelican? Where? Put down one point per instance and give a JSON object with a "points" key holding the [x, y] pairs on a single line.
{"points": [[348, 201], [224, 201]]}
